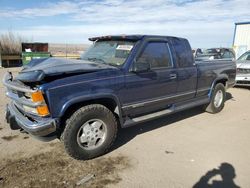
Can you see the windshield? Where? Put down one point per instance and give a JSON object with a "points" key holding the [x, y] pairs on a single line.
{"points": [[245, 56], [109, 52], [207, 52]]}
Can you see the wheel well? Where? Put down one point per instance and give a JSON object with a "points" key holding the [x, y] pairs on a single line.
{"points": [[107, 102], [222, 81]]}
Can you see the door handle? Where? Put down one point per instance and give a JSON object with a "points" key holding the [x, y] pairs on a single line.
{"points": [[173, 76]]}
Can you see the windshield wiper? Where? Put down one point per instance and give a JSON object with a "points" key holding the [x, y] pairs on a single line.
{"points": [[96, 59], [100, 60]]}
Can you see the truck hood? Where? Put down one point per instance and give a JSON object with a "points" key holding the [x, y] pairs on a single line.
{"points": [[39, 69], [243, 64]]}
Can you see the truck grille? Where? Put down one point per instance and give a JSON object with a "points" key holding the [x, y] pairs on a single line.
{"points": [[243, 71], [17, 92], [243, 82]]}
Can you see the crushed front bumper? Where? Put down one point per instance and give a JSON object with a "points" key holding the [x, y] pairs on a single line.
{"points": [[15, 115], [17, 120]]}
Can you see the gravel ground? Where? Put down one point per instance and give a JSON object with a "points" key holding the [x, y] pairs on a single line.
{"points": [[187, 149]]}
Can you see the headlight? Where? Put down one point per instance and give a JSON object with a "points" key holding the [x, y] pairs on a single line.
{"points": [[27, 95], [41, 110], [30, 109]]}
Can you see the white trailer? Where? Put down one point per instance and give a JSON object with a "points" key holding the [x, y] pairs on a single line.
{"points": [[241, 41]]}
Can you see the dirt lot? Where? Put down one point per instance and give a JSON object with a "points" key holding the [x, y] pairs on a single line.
{"points": [[187, 149]]}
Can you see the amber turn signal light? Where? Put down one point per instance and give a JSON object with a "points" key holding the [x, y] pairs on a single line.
{"points": [[42, 110], [37, 96]]}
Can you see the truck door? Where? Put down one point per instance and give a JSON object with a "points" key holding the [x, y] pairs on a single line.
{"points": [[151, 83]]}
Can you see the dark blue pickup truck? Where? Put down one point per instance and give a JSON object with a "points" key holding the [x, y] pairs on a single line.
{"points": [[119, 81]]}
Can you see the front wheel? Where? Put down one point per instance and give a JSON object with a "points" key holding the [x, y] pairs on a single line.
{"points": [[217, 99], [89, 132]]}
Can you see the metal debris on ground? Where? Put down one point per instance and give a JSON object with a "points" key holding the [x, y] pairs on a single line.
{"points": [[169, 152], [85, 179]]}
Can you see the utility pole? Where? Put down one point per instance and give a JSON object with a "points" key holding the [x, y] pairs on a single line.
{"points": [[66, 50], [0, 58]]}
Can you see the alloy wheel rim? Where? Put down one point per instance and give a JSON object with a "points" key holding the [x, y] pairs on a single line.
{"points": [[218, 98], [92, 134]]}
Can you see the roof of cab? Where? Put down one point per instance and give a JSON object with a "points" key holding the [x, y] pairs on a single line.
{"points": [[128, 37]]}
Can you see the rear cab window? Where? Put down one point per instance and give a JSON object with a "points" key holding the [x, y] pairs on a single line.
{"points": [[183, 53]]}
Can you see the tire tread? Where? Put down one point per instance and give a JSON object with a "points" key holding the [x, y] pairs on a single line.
{"points": [[70, 122], [210, 108]]}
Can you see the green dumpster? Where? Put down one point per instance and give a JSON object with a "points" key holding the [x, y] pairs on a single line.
{"points": [[34, 50], [28, 56]]}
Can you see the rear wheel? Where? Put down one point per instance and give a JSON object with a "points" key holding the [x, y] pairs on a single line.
{"points": [[217, 99], [89, 132]]}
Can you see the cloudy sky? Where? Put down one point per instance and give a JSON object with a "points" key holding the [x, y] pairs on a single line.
{"points": [[206, 23]]}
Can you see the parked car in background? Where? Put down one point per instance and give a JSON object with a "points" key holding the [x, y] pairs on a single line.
{"points": [[197, 52], [243, 69], [216, 53]]}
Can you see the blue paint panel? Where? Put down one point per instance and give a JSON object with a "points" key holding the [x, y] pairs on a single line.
{"points": [[138, 93]]}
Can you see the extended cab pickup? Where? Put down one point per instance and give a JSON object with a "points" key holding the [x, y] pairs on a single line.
{"points": [[119, 81]]}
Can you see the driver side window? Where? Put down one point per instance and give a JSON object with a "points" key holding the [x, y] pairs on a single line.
{"points": [[157, 55]]}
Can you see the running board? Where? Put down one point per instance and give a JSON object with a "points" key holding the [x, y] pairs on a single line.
{"points": [[191, 104], [130, 122], [173, 109]]}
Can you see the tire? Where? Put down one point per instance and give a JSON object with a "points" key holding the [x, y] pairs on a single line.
{"points": [[217, 99], [89, 132]]}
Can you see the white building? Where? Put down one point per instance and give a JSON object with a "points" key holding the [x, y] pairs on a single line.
{"points": [[241, 41]]}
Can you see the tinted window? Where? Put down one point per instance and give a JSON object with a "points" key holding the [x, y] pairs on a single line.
{"points": [[157, 54], [184, 57]]}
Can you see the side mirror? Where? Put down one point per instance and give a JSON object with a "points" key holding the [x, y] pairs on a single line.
{"points": [[141, 66]]}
